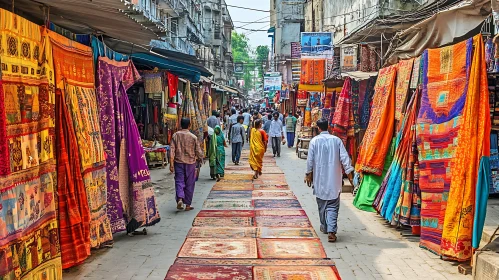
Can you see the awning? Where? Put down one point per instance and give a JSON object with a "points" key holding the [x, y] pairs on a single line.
{"points": [[228, 89], [445, 27], [178, 68], [359, 75], [311, 87]]}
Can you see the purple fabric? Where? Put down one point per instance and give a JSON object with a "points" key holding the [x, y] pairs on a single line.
{"points": [[130, 197], [185, 180]]}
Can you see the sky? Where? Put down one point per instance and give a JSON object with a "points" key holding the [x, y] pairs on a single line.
{"points": [[242, 15]]}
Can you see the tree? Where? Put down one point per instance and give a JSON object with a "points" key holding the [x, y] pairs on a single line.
{"points": [[241, 51], [262, 55]]}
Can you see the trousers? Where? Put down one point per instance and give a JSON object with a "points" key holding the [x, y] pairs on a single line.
{"points": [[276, 145], [291, 139], [185, 181], [328, 214], [236, 151]]}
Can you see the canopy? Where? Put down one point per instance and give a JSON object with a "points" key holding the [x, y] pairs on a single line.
{"points": [[359, 75], [445, 27]]}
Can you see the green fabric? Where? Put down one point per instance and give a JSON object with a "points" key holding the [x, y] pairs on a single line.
{"points": [[216, 152], [290, 124], [371, 184], [220, 155], [482, 196]]}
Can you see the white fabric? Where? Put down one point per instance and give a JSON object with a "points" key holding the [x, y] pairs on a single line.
{"points": [[276, 128], [326, 157]]}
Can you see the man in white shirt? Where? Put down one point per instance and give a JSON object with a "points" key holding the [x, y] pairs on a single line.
{"points": [[326, 157], [276, 134]]}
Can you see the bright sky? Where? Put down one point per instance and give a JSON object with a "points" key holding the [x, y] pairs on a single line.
{"points": [[242, 17]]}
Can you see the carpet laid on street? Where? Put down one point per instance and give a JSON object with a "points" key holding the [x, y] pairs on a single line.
{"points": [[252, 229]]}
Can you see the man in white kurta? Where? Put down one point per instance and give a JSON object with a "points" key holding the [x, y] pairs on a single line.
{"points": [[326, 158]]}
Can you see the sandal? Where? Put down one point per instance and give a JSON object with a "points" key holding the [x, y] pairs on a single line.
{"points": [[332, 237], [189, 208], [180, 204]]}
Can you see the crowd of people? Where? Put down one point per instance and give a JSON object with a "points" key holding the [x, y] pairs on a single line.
{"points": [[326, 161]]}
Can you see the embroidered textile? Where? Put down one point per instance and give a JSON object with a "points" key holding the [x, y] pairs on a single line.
{"points": [[196, 272], [372, 153], [365, 111], [416, 73], [468, 180], [312, 71], [172, 84], [290, 249], [442, 101], [29, 231], [153, 82], [131, 201], [402, 87], [219, 248], [295, 272], [73, 63], [4, 145]]}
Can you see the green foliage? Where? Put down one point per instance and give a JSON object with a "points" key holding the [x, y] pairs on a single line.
{"points": [[241, 51], [262, 54]]}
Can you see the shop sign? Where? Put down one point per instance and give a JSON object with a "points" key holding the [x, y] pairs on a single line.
{"points": [[272, 82], [317, 44], [295, 50], [238, 67], [348, 58]]}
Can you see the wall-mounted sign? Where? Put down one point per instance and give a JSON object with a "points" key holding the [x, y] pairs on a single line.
{"points": [[348, 58], [238, 67], [317, 44], [295, 50], [272, 82]]}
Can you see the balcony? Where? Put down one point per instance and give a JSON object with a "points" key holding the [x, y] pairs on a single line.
{"points": [[174, 44]]}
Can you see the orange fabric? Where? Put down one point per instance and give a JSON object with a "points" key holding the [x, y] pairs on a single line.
{"points": [[403, 79], [379, 133], [473, 144], [312, 71]]}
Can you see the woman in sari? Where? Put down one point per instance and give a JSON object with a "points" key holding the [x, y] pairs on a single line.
{"points": [[216, 154], [258, 147]]}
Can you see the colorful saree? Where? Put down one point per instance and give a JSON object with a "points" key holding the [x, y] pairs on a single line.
{"points": [[73, 63], [258, 140], [403, 79], [376, 142], [439, 120], [216, 153], [131, 201], [312, 71], [469, 173], [29, 231]]}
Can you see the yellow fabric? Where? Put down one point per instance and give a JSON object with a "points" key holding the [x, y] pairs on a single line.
{"points": [[474, 143], [314, 88], [257, 150]]}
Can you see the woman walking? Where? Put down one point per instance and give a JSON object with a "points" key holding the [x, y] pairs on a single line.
{"points": [[258, 147], [216, 154]]}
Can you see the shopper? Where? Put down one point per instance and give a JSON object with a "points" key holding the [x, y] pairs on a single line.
{"points": [[258, 147], [236, 139], [276, 134], [290, 129], [184, 153], [326, 157]]}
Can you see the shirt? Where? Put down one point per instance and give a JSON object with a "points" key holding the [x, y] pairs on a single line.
{"points": [[184, 147], [326, 156], [290, 124], [275, 128], [213, 121], [233, 119], [266, 126], [247, 118], [237, 133]]}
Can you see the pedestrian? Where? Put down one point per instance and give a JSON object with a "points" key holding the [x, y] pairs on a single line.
{"points": [[299, 124], [268, 121], [184, 153], [258, 147], [213, 121], [236, 139], [233, 117], [290, 129], [276, 134], [216, 154], [247, 117], [326, 157]]}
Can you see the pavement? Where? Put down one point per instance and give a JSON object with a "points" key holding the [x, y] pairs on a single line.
{"points": [[367, 248]]}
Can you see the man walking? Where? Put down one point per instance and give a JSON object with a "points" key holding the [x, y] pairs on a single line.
{"points": [[290, 129], [213, 121], [326, 157], [236, 138], [276, 134], [184, 153]]}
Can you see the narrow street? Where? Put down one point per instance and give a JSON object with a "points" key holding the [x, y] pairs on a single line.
{"points": [[366, 247]]}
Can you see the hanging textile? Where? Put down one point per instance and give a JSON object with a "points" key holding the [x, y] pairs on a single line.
{"points": [[341, 117], [29, 239], [371, 185], [467, 204], [403, 79], [365, 111], [416, 73], [4, 145], [153, 82], [312, 71], [379, 133], [355, 104], [74, 78], [172, 84], [396, 183], [131, 197], [442, 101], [301, 98]]}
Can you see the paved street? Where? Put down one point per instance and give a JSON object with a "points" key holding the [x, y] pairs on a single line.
{"points": [[366, 248]]}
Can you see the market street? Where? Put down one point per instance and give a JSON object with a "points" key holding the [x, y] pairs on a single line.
{"points": [[366, 247]]}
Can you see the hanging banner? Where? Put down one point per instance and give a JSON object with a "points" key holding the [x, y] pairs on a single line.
{"points": [[348, 58], [272, 82], [238, 67], [295, 50], [285, 92], [317, 44]]}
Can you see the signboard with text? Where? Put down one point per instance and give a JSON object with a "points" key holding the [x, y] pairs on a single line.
{"points": [[272, 82], [348, 58]]}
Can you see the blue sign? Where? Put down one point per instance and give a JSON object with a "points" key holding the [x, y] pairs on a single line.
{"points": [[317, 44]]}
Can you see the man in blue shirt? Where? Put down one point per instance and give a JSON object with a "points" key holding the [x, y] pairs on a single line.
{"points": [[236, 139]]}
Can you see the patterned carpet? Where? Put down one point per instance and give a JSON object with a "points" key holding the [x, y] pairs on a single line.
{"points": [[252, 229]]}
